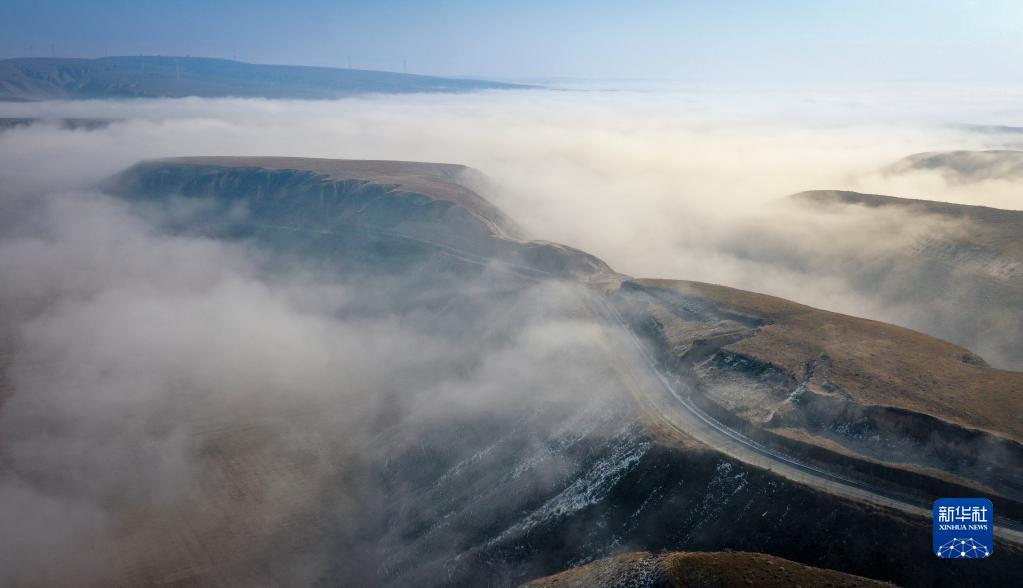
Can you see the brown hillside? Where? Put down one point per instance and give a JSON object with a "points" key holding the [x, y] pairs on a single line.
{"points": [[698, 570]]}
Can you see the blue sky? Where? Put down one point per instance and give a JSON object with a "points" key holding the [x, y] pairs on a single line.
{"points": [[737, 40]]}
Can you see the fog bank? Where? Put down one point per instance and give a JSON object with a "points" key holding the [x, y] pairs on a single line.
{"points": [[687, 183]]}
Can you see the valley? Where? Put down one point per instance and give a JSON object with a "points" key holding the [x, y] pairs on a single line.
{"points": [[651, 433]]}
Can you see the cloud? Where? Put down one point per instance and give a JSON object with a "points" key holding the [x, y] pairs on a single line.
{"points": [[165, 388], [137, 358], [662, 181]]}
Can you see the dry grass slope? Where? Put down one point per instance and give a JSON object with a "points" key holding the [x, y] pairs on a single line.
{"points": [[982, 229], [701, 570], [876, 363]]}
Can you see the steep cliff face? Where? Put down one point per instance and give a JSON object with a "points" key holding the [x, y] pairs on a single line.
{"points": [[303, 195], [417, 204]]}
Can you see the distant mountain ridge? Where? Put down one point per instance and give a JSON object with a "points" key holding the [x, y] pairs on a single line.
{"points": [[44, 78]]}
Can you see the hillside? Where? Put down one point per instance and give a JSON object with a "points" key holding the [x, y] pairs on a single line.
{"points": [[857, 387], [210, 176], [516, 430], [964, 167], [989, 241], [699, 570], [43, 78], [790, 373], [960, 278], [361, 202]]}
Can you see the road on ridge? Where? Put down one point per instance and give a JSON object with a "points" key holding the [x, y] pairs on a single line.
{"points": [[677, 411], [681, 414]]}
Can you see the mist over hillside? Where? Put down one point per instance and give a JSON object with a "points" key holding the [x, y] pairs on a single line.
{"points": [[591, 294], [299, 371], [965, 167], [699, 192], [244, 366]]}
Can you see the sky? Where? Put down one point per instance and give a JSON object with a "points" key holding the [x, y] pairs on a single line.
{"points": [[731, 40]]}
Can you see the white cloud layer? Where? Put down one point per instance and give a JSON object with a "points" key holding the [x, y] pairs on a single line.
{"points": [[124, 344], [685, 183]]}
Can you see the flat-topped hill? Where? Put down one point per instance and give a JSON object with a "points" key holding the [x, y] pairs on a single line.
{"points": [[440, 181], [430, 205]]}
